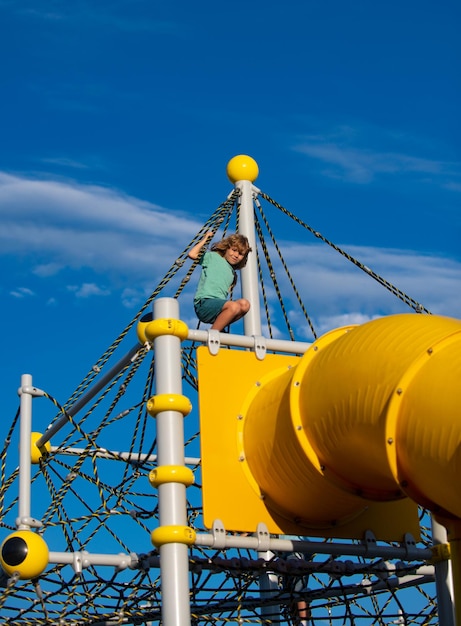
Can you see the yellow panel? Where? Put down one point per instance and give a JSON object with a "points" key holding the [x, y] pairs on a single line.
{"points": [[224, 381], [230, 493]]}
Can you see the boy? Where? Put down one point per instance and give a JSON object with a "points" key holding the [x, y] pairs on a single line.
{"points": [[218, 276]]}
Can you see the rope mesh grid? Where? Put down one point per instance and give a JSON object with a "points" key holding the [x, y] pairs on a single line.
{"points": [[92, 495]]}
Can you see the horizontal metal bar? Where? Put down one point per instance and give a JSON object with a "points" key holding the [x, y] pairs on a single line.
{"points": [[246, 341], [320, 547], [103, 453]]}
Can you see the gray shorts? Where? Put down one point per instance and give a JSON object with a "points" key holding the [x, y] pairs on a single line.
{"points": [[208, 309]]}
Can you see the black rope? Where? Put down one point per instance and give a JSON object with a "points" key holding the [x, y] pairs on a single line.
{"points": [[419, 308], [287, 271]]}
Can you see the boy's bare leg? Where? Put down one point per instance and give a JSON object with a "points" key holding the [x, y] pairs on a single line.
{"points": [[303, 612], [231, 312]]}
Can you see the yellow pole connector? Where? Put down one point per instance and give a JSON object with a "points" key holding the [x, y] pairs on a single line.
{"points": [[148, 329], [37, 453], [168, 402], [160, 327], [173, 534], [171, 474], [440, 552]]}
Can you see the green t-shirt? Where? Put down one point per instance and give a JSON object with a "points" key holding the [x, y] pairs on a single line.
{"points": [[216, 278]]}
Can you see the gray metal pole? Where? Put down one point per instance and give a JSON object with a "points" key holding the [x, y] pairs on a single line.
{"points": [[81, 402], [268, 586], [443, 579], [174, 561], [26, 393], [252, 327], [249, 274]]}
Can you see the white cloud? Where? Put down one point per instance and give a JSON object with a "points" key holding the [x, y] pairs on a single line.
{"points": [[88, 289], [362, 165], [335, 292], [22, 292], [61, 225], [132, 296], [66, 162], [47, 269], [103, 242], [82, 12], [349, 154]]}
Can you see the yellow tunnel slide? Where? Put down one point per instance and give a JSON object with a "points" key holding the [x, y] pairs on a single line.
{"points": [[374, 410]]}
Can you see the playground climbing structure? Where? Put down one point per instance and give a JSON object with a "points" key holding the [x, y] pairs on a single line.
{"points": [[204, 477]]}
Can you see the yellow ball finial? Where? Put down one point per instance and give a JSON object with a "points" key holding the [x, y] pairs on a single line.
{"points": [[24, 552], [242, 167], [37, 453]]}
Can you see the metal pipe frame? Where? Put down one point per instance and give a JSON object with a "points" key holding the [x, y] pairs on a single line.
{"points": [[174, 557], [130, 457], [82, 559], [251, 341], [26, 392], [249, 273], [443, 579]]}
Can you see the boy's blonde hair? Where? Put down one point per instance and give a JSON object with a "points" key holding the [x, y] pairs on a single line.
{"points": [[234, 241]]}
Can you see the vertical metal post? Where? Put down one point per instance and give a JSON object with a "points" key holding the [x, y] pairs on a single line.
{"points": [[249, 274], [268, 585], [252, 327], [174, 561], [25, 430], [443, 579]]}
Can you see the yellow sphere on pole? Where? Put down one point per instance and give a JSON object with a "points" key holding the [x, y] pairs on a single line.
{"points": [[37, 453], [25, 553], [242, 167]]}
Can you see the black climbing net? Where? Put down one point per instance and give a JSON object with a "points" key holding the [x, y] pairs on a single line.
{"points": [[92, 495]]}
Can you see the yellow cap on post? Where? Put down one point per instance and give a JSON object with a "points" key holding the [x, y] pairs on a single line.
{"points": [[242, 167], [24, 552], [37, 453]]}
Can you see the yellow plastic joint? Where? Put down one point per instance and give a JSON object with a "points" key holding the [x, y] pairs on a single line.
{"points": [[440, 552], [171, 474], [168, 402], [141, 327], [173, 534], [37, 453], [167, 326]]}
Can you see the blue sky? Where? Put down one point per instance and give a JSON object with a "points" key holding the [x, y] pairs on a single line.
{"points": [[119, 119]]}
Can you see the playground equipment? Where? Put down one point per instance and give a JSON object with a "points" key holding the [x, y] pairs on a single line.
{"points": [[339, 442]]}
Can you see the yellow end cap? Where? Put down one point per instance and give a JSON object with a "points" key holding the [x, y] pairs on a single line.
{"points": [[168, 402], [440, 552], [242, 167], [171, 474], [173, 534], [24, 552], [161, 327], [141, 328], [37, 453]]}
